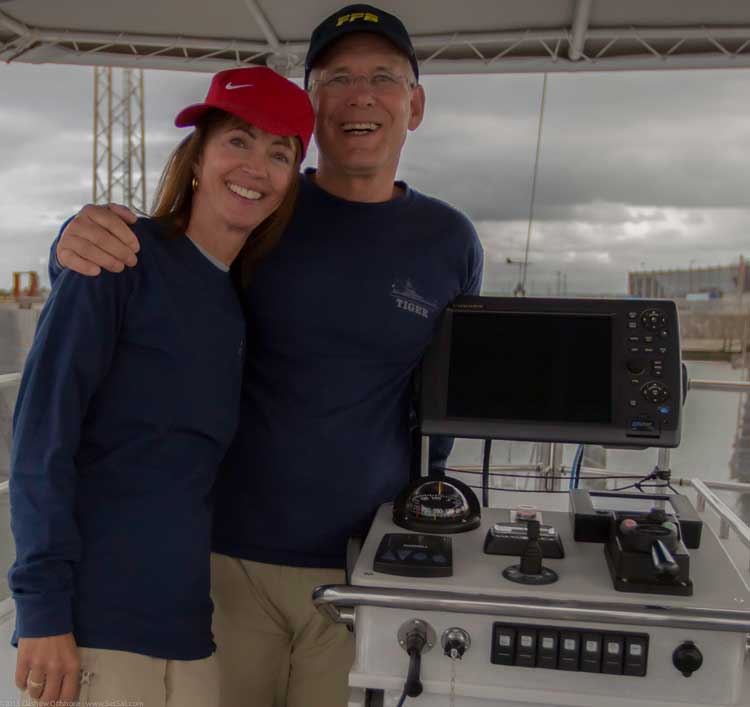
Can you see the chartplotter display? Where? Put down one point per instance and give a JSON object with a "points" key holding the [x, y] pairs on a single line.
{"points": [[596, 371]]}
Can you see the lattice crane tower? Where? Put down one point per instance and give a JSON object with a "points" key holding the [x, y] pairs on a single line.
{"points": [[119, 138]]}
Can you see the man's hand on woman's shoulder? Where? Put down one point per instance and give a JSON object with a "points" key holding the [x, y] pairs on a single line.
{"points": [[99, 237]]}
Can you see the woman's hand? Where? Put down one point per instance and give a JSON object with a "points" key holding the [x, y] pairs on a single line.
{"points": [[48, 667]]}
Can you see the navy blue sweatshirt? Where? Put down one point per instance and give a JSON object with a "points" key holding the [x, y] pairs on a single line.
{"points": [[339, 315], [128, 402]]}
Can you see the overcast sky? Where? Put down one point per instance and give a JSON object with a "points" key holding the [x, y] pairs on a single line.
{"points": [[637, 169]]}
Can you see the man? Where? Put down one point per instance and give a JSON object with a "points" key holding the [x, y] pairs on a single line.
{"points": [[338, 318]]}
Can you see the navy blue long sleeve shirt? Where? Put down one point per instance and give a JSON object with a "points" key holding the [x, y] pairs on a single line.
{"points": [[339, 316], [128, 402]]}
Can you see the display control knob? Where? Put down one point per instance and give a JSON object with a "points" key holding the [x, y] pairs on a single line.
{"points": [[636, 366], [655, 392], [687, 658], [653, 320]]}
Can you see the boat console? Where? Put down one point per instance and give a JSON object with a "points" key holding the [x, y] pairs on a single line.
{"points": [[577, 598], [568, 636]]}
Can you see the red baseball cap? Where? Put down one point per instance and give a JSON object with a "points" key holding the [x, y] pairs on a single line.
{"points": [[261, 97]]}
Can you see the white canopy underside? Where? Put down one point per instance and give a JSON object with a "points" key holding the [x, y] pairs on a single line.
{"points": [[473, 36]]}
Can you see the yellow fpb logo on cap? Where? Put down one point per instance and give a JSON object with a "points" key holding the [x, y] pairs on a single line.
{"points": [[354, 16]]}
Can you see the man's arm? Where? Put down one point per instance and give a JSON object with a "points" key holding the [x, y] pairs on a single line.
{"points": [[96, 238]]}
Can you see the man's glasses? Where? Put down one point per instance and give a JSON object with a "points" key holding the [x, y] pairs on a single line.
{"points": [[381, 82]]}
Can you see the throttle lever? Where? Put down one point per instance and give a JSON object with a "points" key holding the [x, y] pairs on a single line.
{"points": [[663, 560]]}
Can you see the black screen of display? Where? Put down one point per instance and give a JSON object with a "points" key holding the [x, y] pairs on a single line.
{"points": [[546, 368]]}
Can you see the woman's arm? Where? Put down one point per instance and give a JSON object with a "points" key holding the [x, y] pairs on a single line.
{"points": [[74, 344]]}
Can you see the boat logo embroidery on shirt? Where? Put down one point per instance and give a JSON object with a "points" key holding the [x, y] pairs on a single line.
{"points": [[408, 299]]}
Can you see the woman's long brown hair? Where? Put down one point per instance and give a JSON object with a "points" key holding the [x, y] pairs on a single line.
{"points": [[174, 195]]}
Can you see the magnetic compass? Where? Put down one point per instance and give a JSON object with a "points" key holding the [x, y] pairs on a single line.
{"points": [[437, 505]]}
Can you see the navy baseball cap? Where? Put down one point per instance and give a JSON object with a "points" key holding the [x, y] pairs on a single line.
{"points": [[359, 18]]}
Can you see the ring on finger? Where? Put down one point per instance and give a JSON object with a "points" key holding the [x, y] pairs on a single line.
{"points": [[34, 683]]}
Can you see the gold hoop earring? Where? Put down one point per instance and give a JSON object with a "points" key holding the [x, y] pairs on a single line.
{"points": [[195, 183]]}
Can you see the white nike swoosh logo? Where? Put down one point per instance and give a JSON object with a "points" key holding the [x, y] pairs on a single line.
{"points": [[230, 86]]}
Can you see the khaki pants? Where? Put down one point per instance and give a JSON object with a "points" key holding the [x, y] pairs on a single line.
{"points": [[134, 680], [274, 649]]}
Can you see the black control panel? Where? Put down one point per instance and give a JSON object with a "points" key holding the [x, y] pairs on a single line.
{"points": [[412, 555], [595, 371], [654, 393], [576, 650]]}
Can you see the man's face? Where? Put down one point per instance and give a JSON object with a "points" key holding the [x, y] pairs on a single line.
{"points": [[361, 129]]}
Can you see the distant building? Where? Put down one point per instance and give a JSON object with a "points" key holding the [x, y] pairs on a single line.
{"points": [[715, 281]]}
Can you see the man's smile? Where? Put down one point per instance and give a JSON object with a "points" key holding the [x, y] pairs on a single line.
{"points": [[360, 128]]}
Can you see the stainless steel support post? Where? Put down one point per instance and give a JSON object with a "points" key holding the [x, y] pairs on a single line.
{"points": [[425, 456], [556, 454], [662, 464]]}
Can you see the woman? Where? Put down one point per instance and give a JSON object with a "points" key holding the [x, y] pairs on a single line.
{"points": [[128, 401]]}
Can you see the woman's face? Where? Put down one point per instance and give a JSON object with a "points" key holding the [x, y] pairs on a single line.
{"points": [[243, 174]]}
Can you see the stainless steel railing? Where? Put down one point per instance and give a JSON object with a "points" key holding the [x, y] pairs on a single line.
{"points": [[338, 600]]}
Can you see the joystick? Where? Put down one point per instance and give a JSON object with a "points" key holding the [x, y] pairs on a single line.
{"points": [[530, 570]]}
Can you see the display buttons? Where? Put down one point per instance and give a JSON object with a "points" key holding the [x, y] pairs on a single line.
{"points": [[634, 349], [648, 349], [632, 325], [655, 392], [632, 315], [648, 339], [634, 339], [653, 319]]}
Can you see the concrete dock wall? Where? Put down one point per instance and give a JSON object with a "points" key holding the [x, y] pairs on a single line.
{"points": [[17, 327]]}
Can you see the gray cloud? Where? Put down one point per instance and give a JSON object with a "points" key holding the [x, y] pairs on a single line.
{"points": [[660, 139], [637, 169]]}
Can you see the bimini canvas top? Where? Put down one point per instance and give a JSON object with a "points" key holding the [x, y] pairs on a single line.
{"points": [[469, 36]]}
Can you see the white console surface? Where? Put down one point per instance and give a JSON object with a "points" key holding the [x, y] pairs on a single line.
{"points": [[583, 571]]}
